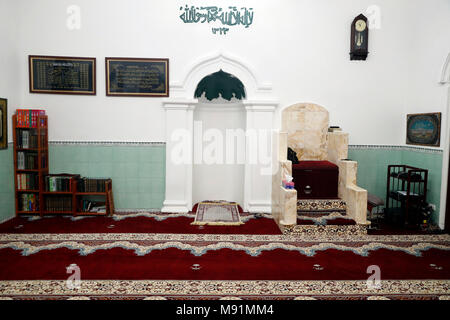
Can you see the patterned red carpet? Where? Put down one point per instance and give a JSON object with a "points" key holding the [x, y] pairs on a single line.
{"points": [[150, 222], [132, 264]]}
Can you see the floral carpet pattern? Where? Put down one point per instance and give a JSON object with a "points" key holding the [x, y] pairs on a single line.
{"points": [[318, 206], [252, 245], [304, 262], [208, 289], [200, 244]]}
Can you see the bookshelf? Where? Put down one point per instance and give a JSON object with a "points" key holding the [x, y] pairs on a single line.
{"points": [[406, 192], [58, 195], [30, 139], [92, 193], [39, 193]]}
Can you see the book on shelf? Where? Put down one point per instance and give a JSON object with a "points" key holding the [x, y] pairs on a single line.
{"points": [[28, 202], [92, 206], [57, 183], [27, 161], [20, 160], [28, 118], [27, 181], [26, 140], [91, 184], [58, 203]]}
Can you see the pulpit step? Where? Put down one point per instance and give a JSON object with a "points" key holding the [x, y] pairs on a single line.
{"points": [[321, 206]]}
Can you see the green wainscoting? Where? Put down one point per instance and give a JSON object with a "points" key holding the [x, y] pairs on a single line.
{"points": [[433, 162], [373, 162], [137, 170], [7, 208]]}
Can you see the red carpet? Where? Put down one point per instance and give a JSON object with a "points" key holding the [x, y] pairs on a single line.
{"points": [[224, 264], [179, 224], [141, 257]]}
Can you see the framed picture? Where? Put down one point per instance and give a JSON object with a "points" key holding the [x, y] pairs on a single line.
{"points": [[423, 129], [3, 123], [62, 75], [137, 77]]}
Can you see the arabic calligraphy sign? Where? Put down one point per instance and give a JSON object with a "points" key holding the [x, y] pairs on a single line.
{"points": [[230, 16]]}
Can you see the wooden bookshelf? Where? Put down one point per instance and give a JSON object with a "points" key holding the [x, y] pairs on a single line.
{"points": [[106, 198], [57, 187], [30, 172], [33, 195], [406, 191]]}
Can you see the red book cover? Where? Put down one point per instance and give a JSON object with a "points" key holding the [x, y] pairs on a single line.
{"points": [[33, 118], [36, 114], [19, 118], [22, 118], [26, 116]]}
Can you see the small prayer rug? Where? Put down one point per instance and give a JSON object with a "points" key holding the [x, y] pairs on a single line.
{"points": [[217, 213]]}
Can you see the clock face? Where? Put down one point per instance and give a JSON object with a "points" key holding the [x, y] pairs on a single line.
{"points": [[360, 25]]}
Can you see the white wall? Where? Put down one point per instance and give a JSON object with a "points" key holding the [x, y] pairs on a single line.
{"points": [[9, 59], [429, 50], [300, 47]]}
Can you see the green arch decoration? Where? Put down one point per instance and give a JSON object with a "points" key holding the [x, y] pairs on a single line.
{"points": [[220, 83]]}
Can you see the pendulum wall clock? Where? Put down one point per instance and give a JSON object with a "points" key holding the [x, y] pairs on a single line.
{"points": [[359, 39]]}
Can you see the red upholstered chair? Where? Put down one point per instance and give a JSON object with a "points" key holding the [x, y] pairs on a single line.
{"points": [[323, 171], [316, 179]]}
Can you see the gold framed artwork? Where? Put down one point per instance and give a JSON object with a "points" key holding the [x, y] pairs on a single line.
{"points": [[3, 123], [137, 77], [62, 75]]}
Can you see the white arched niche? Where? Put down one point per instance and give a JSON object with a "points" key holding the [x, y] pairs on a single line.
{"points": [[258, 107], [219, 150]]}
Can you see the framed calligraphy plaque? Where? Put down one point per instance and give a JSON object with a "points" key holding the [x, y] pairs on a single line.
{"points": [[3, 123], [137, 77], [62, 75]]}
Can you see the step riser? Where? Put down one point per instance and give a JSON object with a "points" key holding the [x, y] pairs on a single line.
{"points": [[321, 206]]}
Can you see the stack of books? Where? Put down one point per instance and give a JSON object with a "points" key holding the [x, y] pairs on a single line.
{"points": [[91, 184], [26, 140], [28, 202], [27, 118], [27, 181], [62, 203], [27, 161], [57, 183]]}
